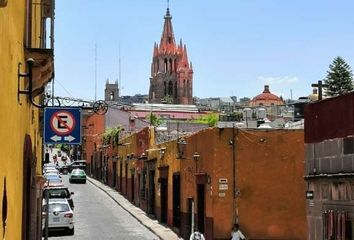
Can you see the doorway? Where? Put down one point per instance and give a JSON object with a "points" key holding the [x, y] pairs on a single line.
{"points": [[133, 187], [120, 176], [114, 174], [200, 207], [176, 200], [163, 198], [151, 199]]}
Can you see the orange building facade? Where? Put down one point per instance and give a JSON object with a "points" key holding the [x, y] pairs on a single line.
{"points": [[216, 177]]}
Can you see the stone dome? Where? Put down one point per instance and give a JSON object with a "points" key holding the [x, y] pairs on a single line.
{"points": [[266, 98]]}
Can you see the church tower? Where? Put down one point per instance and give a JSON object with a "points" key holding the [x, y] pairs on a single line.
{"points": [[171, 78], [111, 92]]}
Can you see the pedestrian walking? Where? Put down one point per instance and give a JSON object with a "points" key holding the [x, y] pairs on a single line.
{"points": [[236, 234]]}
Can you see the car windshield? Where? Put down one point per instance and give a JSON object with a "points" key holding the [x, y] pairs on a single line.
{"points": [[78, 171], [57, 193], [57, 207], [52, 177], [54, 180]]}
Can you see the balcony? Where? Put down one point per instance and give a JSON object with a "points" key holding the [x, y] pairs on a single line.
{"points": [[43, 68]]}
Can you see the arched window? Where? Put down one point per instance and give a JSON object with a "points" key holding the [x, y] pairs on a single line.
{"points": [[111, 96], [165, 89], [175, 96], [165, 62], [184, 88], [171, 69], [158, 65], [170, 88]]}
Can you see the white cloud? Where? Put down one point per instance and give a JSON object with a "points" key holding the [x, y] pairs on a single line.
{"points": [[278, 80]]}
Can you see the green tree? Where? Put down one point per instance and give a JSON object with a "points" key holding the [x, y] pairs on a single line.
{"points": [[339, 78], [167, 99], [211, 119], [154, 120]]}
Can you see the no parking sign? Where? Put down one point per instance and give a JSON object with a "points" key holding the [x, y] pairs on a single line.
{"points": [[62, 125]]}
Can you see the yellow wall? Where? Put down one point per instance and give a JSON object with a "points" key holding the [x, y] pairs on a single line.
{"points": [[15, 120]]}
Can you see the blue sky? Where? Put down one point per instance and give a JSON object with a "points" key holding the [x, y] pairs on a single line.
{"points": [[236, 46]]}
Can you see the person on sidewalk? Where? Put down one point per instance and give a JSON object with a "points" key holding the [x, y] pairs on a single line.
{"points": [[197, 236], [236, 234]]}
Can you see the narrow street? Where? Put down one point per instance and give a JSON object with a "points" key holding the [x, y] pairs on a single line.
{"points": [[97, 216]]}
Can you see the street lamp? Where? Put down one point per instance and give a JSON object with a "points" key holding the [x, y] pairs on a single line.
{"points": [[196, 157]]}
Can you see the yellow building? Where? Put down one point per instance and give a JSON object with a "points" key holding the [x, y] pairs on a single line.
{"points": [[25, 30]]}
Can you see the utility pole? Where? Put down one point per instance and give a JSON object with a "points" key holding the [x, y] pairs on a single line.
{"points": [[95, 72]]}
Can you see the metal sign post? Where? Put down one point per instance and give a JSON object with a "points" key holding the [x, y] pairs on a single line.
{"points": [[46, 213]]}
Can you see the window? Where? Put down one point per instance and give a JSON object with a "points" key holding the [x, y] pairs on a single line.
{"points": [[40, 33], [324, 191], [348, 145]]}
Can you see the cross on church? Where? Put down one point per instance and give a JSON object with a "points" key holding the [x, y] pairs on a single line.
{"points": [[319, 86]]}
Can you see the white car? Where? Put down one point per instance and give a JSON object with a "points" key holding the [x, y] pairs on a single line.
{"points": [[51, 170], [61, 216]]}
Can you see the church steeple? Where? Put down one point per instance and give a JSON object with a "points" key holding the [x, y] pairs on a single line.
{"points": [[167, 42], [171, 72]]}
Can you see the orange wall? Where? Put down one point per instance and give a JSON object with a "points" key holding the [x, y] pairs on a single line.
{"points": [[269, 176], [269, 170]]}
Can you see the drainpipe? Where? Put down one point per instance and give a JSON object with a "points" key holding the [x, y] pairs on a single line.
{"points": [[234, 215]]}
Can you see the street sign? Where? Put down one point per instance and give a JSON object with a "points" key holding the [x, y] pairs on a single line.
{"points": [[62, 125]]}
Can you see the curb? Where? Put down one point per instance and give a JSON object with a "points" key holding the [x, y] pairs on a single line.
{"points": [[152, 230]]}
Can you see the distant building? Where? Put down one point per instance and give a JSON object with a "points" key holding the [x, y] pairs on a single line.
{"points": [[165, 111], [171, 78], [111, 92], [220, 104], [137, 98], [266, 98]]}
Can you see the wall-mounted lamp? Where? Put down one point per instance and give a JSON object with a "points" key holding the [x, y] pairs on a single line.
{"points": [[196, 156], [162, 152], [262, 140]]}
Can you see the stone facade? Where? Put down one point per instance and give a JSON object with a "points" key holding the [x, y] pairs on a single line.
{"points": [[171, 78]]}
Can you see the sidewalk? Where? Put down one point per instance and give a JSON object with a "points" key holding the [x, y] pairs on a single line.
{"points": [[153, 225]]}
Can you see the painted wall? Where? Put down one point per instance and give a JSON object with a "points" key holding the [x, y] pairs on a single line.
{"points": [[270, 170], [265, 206], [17, 118]]}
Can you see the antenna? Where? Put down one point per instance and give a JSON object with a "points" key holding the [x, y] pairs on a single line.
{"points": [[168, 3], [291, 94], [119, 73], [95, 71]]}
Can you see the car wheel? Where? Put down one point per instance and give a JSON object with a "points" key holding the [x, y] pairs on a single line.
{"points": [[84, 182], [71, 231]]}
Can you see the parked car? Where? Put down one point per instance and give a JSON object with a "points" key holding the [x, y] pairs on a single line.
{"points": [[81, 164], [54, 182], [77, 175], [60, 215], [59, 192]]}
